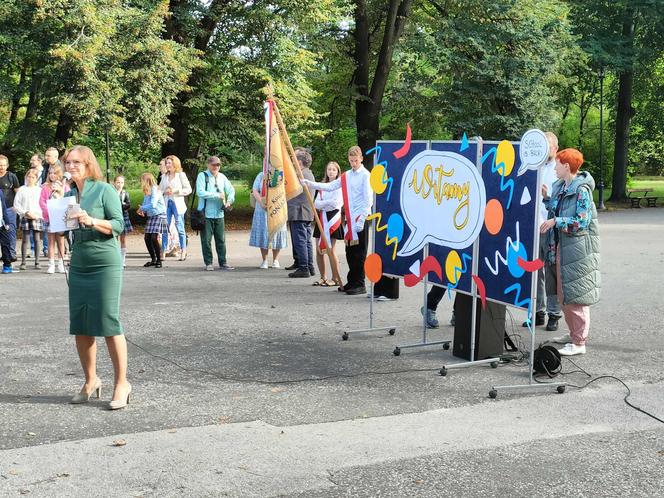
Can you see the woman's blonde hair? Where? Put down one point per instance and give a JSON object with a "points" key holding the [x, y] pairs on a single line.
{"points": [[92, 169], [147, 182], [176, 162], [326, 179], [55, 168]]}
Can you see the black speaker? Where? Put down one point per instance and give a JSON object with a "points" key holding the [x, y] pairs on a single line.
{"points": [[489, 328]]}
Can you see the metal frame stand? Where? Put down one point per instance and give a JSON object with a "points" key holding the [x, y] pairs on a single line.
{"points": [[559, 386], [473, 293], [391, 329], [425, 342]]}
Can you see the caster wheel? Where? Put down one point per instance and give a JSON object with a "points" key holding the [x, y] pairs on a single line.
{"points": [[396, 352], [392, 331], [344, 337], [560, 389], [446, 346], [494, 364], [443, 371], [493, 393]]}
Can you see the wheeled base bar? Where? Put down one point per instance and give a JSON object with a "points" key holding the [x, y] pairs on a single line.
{"points": [[559, 386], [467, 364]]}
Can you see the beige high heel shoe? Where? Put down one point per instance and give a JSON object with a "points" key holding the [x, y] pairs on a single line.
{"points": [[116, 405], [84, 397]]}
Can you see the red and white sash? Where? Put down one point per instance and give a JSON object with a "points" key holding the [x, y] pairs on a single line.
{"points": [[350, 234], [329, 227]]}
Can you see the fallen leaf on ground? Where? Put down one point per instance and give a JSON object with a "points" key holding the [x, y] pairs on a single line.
{"points": [[277, 389], [31, 434], [224, 419], [171, 431], [119, 442], [660, 452], [24, 491]]}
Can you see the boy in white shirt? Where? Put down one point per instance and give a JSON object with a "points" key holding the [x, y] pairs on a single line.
{"points": [[358, 200]]}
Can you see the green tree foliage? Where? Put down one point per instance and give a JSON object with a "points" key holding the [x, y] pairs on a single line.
{"points": [[187, 76], [625, 37], [85, 65]]}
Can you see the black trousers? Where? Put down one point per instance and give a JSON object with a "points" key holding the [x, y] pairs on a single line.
{"points": [[152, 242], [434, 297], [355, 257], [388, 287]]}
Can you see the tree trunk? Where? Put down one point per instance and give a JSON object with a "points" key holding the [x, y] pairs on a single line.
{"points": [[369, 101], [16, 101], [63, 130], [623, 116], [33, 99], [179, 118]]}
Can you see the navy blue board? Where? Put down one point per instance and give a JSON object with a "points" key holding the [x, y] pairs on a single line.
{"points": [[505, 281], [441, 252], [389, 203]]}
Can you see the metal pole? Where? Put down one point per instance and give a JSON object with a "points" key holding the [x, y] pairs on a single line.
{"points": [[108, 157], [601, 139]]}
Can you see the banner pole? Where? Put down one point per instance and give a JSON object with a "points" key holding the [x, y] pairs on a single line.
{"points": [[291, 152]]}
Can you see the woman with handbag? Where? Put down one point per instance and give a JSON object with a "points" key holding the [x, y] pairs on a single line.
{"points": [[175, 187]]}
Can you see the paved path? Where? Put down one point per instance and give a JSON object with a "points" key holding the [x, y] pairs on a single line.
{"points": [[224, 367]]}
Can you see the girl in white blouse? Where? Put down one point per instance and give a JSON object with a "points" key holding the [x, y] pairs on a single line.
{"points": [[26, 205], [328, 205], [175, 186]]}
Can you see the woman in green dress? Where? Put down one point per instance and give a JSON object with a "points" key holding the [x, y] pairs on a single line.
{"points": [[95, 276]]}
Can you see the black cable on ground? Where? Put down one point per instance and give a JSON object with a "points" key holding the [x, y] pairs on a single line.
{"points": [[625, 399], [277, 382]]}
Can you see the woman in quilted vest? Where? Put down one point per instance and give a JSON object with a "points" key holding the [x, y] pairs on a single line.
{"points": [[572, 233]]}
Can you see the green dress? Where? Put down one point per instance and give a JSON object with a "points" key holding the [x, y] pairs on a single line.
{"points": [[95, 275]]}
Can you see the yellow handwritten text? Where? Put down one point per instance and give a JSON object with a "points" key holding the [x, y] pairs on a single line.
{"points": [[432, 182]]}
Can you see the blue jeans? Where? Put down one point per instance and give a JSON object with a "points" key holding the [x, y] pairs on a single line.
{"points": [[171, 211], [301, 232], [8, 244], [547, 301]]}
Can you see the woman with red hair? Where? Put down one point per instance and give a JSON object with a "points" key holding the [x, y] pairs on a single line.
{"points": [[573, 246]]}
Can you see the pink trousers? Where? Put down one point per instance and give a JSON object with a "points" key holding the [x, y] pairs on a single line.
{"points": [[577, 316]]}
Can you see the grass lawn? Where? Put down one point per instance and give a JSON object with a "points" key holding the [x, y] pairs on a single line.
{"points": [[239, 218], [654, 182]]}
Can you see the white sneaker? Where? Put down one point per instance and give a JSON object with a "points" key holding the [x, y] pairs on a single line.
{"points": [[51, 268], [275, 264], [61, 267], [209, 268], [263, 265], [571, 349], [563, 339]]}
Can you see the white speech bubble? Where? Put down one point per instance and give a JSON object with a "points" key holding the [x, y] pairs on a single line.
{"points": [[442, 201], [533, 150]]}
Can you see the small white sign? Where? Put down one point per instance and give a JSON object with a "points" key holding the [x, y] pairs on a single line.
{"points": [[533, 150]]}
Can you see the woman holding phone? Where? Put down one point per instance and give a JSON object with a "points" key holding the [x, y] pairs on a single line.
{"points": [[95, 276]]}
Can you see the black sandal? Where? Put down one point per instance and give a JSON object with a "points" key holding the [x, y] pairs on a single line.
{"points": [[157, 264], [149, 263]]}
